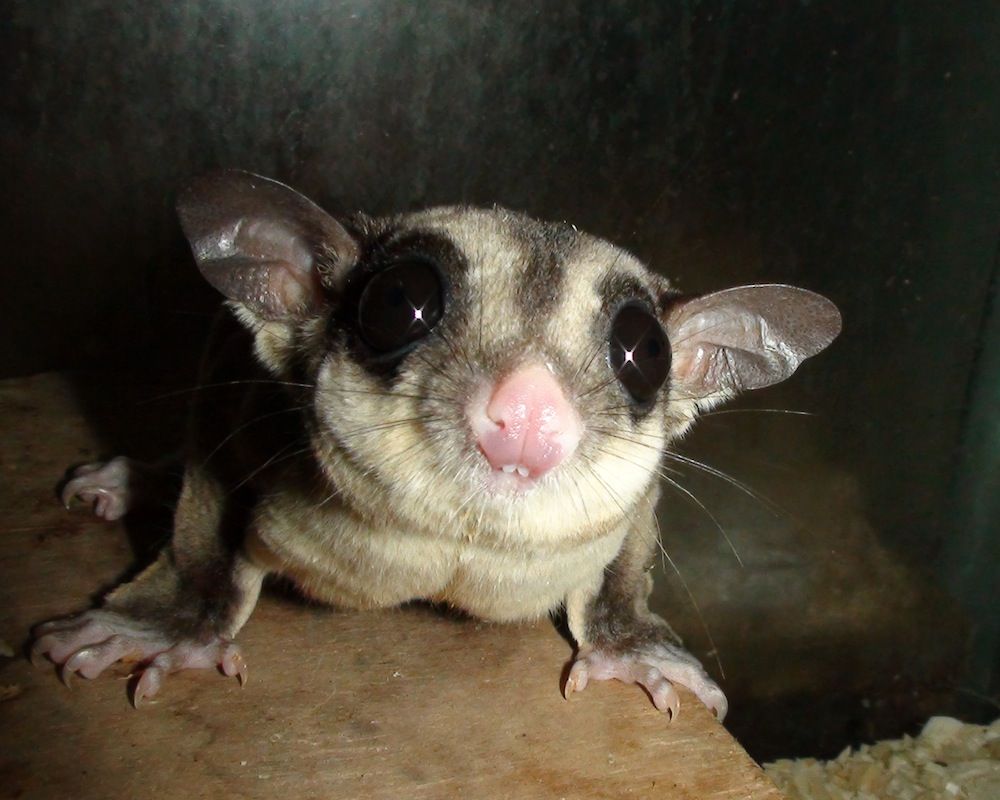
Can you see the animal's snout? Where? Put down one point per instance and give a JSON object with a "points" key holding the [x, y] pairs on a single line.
{"points": [[526, 425]]}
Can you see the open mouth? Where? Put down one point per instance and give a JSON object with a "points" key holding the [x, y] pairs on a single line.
{"points": [[512, 479], [520, 469]]}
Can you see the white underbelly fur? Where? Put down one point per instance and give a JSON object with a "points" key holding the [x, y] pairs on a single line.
{"points": [[338, 561]]}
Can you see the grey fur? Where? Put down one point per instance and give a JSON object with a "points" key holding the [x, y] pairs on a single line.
{"points": [[362, 483]]}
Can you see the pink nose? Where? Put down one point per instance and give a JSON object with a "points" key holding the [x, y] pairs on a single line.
{"points": [[527, 426]]}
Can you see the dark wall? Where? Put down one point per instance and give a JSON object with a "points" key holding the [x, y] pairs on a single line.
{"points": [[848, 147]]}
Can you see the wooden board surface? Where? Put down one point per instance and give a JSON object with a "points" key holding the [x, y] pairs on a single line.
{"points": [[406, 703]]}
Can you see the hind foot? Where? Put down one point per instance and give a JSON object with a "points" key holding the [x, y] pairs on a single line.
{"points": [[86, 644]]}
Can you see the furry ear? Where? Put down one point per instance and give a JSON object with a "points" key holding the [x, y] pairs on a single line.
{"points": [[261, 243], [746, 338]]}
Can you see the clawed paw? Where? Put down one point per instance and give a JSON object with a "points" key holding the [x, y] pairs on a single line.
{"points": [[105, 484], [86, 644], [225, 655], [656, 668]]}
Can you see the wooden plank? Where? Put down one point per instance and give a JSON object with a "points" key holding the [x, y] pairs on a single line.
{"points": [[405, 703]]}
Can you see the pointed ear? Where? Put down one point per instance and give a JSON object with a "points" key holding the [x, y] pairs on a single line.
{"points": [[746, 338], [262, 244]]}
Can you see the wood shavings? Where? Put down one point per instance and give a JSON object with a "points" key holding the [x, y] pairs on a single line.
{"points": [[949, 759]]}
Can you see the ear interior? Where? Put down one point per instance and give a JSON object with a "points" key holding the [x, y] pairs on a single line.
{"points": [[747, 337], [260, 242]]}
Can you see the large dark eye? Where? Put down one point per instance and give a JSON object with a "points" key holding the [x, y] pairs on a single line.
{"points": [[399, 305], [639, 352]]}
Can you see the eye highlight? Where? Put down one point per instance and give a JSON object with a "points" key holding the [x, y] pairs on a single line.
{"points": [[400, 305], [639, 352]]}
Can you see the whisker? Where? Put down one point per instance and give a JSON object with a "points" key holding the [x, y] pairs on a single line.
{"points": [[275, 459], [617, 407], [687, 589], [616, 435], [725, 476], [396, 460], [201, 387], [391, 394], [460, 354], [382, 426], [441, 370], [758, 410], [585, 366], [608, 488], [473, 495], [697, 609], [768, 503], [598, 387], [690, 495], [579, 490], [247, 424]]}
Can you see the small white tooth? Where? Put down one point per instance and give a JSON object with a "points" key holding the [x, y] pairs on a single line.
{"points": [[522, 470], [509, 467]]}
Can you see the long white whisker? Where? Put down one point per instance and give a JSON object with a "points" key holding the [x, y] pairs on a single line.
{"points": [[688, 494], [204, 386], [247, 424]]}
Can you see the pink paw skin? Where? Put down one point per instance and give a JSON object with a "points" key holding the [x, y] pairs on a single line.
{"points": [[105, 484], [656, 668], [86, 644]]}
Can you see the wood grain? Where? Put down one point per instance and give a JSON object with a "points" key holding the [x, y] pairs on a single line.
{"points": [[407, 703]]}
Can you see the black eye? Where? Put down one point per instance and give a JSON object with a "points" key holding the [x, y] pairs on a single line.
{"points": [[400, 305], [639, 352]]}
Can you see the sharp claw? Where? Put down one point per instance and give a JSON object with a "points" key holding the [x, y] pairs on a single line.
{"points": [[44, 627], [69, 493], [577, 680], [85, 645], [105, 492], [242, 672], [88, 661], [666, 699], [72, 664], [37, 656], [147, 686], [232, 664], [672, 706]]}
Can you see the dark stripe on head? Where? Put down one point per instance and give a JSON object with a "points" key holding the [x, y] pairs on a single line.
{"points": [[617, 289], [546, 248]]}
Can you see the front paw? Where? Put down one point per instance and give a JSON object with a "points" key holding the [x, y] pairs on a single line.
{"points": [[86, 644], [655, 667], [106, 484]]}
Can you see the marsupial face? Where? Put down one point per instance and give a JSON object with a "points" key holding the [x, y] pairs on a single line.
{"points": [[469, 373]]}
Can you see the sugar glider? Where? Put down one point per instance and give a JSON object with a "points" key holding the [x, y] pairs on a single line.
{"points": [[461, 405]]}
